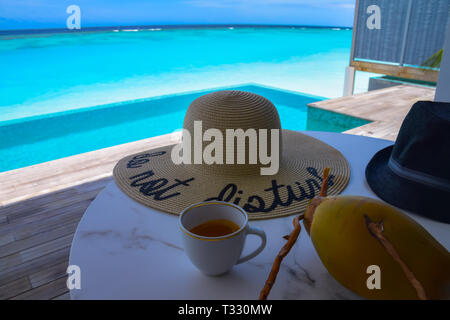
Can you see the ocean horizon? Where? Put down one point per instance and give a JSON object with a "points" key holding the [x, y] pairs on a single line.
{"points": [[160, 27]]}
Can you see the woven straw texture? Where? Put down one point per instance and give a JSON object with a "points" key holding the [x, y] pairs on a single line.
{"points": [[152, 178]]}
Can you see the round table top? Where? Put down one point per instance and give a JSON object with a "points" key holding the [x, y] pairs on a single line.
{"points": [[128, 251]]}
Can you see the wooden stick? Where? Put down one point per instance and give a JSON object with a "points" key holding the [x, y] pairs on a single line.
{"points": [[284, 251], [324, 187], [376, 230], [291, 239]]}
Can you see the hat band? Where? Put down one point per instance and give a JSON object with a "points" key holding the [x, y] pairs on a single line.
{"points": [[418, 177]]}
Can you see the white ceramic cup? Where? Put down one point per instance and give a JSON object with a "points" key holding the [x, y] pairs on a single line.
{"points": [[216, 255]]}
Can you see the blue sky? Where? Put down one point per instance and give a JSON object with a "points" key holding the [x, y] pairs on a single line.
{"points": [[32, 14]]}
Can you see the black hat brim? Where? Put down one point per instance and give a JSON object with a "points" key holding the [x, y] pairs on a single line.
{"points": [[406, 194]]}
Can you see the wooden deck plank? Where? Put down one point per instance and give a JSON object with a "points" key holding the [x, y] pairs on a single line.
{"points": [[28, 230], [64, 296], [42, 201], [46, 214], [48, 275], [10, 261], [396, 71], [378, 129], [14, 288], [32, 266], [5, 238], [45, 292], [24, 215], [45, 248], [38, 239]]}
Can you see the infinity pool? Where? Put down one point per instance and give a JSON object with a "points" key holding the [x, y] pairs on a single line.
{"points": [[33, 140]]}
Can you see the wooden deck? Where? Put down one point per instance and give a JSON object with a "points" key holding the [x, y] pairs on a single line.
{"points": [[386, 108], [41, 205]]}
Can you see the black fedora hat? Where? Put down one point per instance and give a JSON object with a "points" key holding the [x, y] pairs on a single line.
{"points": [[414, 173]]}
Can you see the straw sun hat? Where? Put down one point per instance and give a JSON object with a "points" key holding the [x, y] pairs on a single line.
{"points": [[153, 179]]}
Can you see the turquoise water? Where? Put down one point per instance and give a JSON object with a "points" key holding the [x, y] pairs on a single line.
{"points": [[49, 73], [38, 139]]}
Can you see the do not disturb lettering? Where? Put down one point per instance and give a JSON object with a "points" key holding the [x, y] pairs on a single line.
{"points": [[141, 159], [295, 193], [157, 187]]}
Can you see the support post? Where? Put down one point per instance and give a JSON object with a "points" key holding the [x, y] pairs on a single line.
{"points": [[349, 82], [443, 84], [405, 34]]}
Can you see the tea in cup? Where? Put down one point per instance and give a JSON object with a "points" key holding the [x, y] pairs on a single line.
{"points": [[214, 234]]}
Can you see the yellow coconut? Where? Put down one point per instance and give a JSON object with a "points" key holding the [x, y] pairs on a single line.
{"points": [[351, 234]]}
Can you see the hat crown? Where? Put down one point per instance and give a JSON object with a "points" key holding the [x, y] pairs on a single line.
{"points": [[423, 142], [233, 109]]}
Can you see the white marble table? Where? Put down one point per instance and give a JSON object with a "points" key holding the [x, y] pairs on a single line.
{"points": [[128, 251]]}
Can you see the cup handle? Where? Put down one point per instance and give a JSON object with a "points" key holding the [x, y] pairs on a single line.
{"points": [[259, 232]]}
